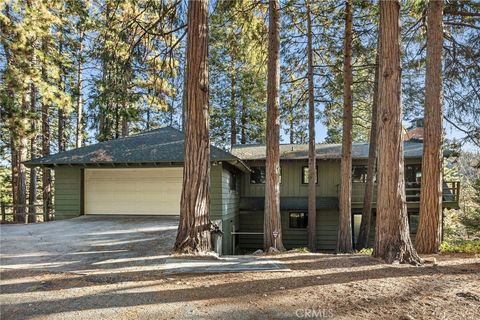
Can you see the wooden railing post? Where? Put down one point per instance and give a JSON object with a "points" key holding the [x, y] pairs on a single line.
{"points": [[3, 211]]}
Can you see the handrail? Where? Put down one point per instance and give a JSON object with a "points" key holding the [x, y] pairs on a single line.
{"points": [[450, 191]]}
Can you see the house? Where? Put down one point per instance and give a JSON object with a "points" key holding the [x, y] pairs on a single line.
{"points": [[142, 175]]}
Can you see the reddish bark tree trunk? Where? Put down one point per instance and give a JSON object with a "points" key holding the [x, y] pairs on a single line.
{"points": [[46, 173], [194, 228], [392, 238], [22, 170], [365, 225], [32, 190], [430, 224], [344, 242], [312, 161], [272, 219], [14, 167]]}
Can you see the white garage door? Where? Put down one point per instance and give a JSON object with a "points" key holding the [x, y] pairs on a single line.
{"points": [[153, 191]]}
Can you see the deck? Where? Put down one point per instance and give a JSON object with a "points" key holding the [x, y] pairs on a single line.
{"points": [[451, 194]]}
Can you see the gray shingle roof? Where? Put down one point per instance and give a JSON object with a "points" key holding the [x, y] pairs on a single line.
{"points": [[324, 151], [160, 145]]}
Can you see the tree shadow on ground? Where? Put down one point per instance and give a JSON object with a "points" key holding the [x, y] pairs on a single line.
{"points": [[238, 290]]}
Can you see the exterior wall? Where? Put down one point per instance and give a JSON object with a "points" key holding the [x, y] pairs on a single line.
{"points": [[224, 204], [294, 197], [252, 221], [68, 192], [291, 185], [291, 188]]}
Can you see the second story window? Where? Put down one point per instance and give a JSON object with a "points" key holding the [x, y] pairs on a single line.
{"points": [[413, 173], [359, 174], [257, 176]]}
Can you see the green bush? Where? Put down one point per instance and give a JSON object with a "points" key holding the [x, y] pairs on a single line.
{"points": [[368, 251], [460, 246]]}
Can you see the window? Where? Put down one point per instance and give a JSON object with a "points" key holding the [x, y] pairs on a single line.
{"points": [[298, 220], [305, 175], [359, 174], [233, 181], [257, 176], [413, 173]]}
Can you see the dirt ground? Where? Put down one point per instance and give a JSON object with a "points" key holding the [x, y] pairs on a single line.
{"points": [[318, 286]]}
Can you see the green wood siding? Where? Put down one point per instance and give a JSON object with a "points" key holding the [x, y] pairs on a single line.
{"points": [[68, 192], [224, 203], [291, 186], [327, 223], [216, 192]]}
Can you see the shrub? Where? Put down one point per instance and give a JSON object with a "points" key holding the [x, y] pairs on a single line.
{"points": [[460, 246], [368, 251]]}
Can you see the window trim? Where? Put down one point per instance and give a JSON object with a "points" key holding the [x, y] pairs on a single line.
{"points": [[303, 176], [305, 213]]}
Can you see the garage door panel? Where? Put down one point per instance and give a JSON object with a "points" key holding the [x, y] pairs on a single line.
{"points": [[154, 191]]}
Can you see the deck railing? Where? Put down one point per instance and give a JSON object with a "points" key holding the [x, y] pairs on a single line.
{"points": [[451, 191], [10, 213]]}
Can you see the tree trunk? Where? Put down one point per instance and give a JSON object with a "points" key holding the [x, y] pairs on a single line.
{"points": [[290, 123], [194, 228], [79, 128], [272, 219], [117, 121], [233, 110], [61, 130], [184, 94], [9, 107], [22, 170], [32, 192], [430, 225], [22, 179], [344, 242], [125, 126], [365, 225], [243, 130], [46, 173], [392, 238], [312, 161], [14, 166], [61, 111]]}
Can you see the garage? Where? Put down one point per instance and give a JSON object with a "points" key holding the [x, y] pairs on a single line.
{"points": [[139, 191]]}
